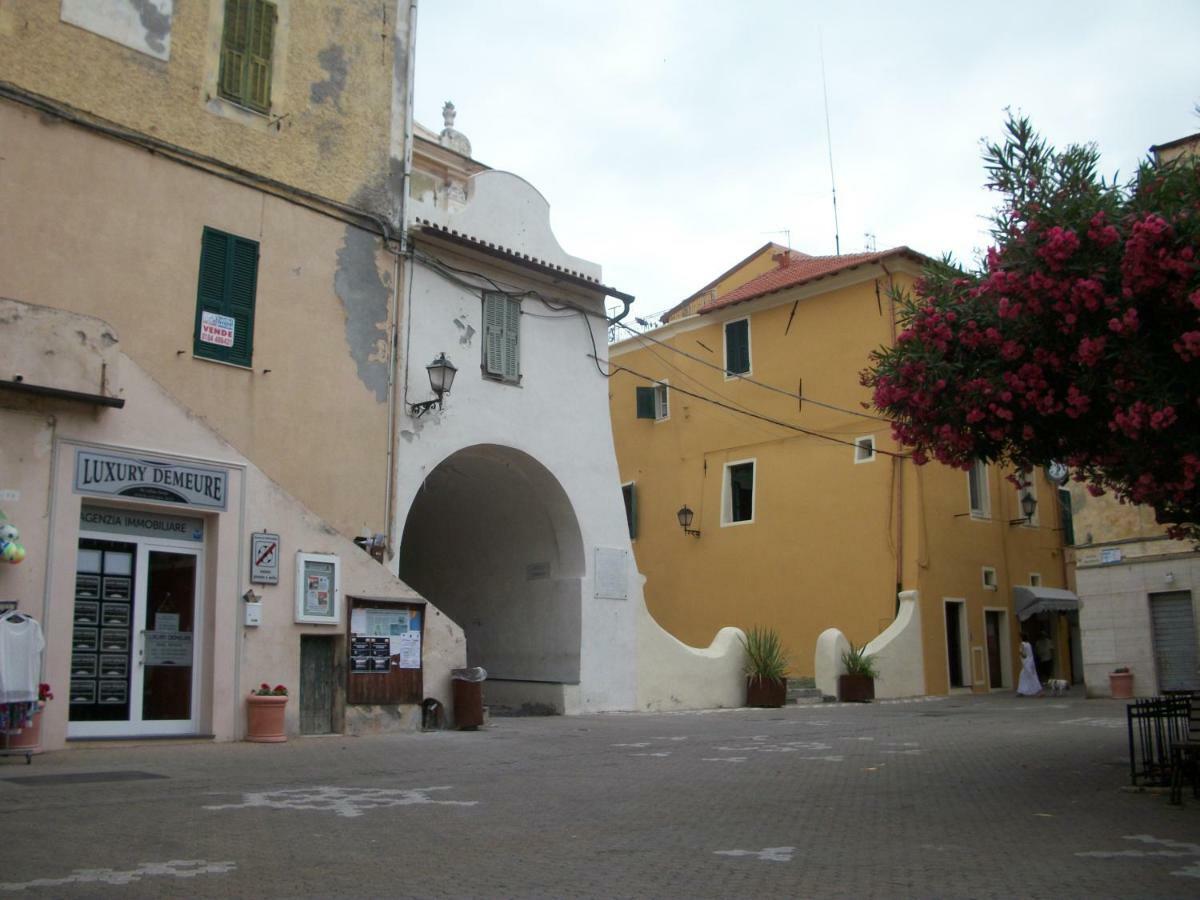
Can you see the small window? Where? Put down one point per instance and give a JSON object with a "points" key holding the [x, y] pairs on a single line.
{"points": [[1035, 579], [654, 402], [629, 494], [247, 42], [989, 578], [225, 298], [738, 500], [502, 337], [977, 487], [737, 347], [864, 449]]}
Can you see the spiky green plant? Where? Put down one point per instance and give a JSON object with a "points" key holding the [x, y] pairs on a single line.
{"points": [[765, 656], [858, 662]]}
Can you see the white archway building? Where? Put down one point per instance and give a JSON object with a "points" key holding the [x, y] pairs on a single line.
{"points": [[509, 506]]}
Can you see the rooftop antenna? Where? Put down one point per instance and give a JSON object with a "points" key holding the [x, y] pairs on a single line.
{"points": [[786, 232], [837, 243], [870, 241]]}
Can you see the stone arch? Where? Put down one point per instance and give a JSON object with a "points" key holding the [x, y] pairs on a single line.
{"points": [[493, 541]]}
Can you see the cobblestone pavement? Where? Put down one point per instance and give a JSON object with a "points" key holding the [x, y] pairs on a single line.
{"points": [[945, 797]]}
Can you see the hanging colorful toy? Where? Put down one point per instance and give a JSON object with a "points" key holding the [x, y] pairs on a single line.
{"points": [[10, 550]]}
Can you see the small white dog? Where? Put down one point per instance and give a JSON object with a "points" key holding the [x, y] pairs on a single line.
{"points": [[1056, 686]]}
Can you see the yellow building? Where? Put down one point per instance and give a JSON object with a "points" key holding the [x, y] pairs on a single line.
{"points": [[745, 408]]}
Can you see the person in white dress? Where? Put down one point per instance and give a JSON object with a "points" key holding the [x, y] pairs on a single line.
{"points": [[1028, 685]]}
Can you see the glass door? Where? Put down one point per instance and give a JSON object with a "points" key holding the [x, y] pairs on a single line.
{"points": [[133, 661]]}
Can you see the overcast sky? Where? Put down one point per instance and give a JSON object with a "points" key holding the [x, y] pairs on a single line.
{"points": [[674, 137]]}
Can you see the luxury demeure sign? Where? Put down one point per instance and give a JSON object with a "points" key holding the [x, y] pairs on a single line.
{"points": [[114, 475]]}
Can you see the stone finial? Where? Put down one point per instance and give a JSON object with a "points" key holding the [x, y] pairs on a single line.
{"points": [[455, 140]]}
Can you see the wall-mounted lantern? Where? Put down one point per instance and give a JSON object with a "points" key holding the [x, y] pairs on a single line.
{"points": [[441, 377], [685, 520], [1028, 507]]}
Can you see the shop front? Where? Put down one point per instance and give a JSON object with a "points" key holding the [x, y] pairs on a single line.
{"points": [[139, 608]]}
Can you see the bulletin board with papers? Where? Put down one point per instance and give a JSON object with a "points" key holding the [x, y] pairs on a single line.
{"points": [[384, 642]]}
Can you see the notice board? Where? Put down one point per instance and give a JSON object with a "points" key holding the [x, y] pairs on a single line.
{"points": [[384, 643]]}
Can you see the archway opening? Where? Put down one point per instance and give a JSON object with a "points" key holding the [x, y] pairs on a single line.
{"points": [[492, 540]]}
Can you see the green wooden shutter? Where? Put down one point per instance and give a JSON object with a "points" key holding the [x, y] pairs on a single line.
{"points": [[235, 40], [493, 334], [227, 286], [243, 282], [247, 42], [502, 337], [257, 93], [737, 347], [645, 403], [512, 340]]}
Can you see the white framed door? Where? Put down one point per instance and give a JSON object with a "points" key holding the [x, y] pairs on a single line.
{"points": [[135, 664]]}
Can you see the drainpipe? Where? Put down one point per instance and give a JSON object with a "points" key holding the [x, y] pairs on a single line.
{"points": [[402, 110]]}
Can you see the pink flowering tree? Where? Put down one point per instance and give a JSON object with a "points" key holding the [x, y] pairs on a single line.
{"points": [[1077, 340]]}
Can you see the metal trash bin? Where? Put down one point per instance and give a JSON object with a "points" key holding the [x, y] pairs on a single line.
{"points": [[468, 697]]}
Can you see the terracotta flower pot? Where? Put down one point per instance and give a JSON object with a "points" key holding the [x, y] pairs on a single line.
{"points": [[856, 688], [265, 718], [1121, 684], [766, 692], [30, 738]]}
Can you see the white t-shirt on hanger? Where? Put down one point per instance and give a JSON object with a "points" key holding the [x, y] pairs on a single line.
{"points": [[21, 644]]}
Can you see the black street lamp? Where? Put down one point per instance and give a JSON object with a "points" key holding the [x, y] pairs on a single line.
{"points": [[441, 377], [1028, 507], [685, 520]]}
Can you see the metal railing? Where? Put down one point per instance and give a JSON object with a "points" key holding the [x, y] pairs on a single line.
{"points": [[1154, 724]]}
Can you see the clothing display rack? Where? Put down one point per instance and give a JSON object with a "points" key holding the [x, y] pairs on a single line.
{"points": [[21, 645]]}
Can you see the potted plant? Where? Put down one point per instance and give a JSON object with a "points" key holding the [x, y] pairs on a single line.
{"points": [[1120, 680], [857, 685], [265, 708], [766, 668], [30, 738]]}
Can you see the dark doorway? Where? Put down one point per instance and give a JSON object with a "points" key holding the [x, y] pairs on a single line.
{"points": [[954, 649], [994, 622], [316, 684]]}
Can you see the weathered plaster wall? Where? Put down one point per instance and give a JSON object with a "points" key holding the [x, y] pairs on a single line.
{"points": [[329, 126], [37, 443], [106, 229]]}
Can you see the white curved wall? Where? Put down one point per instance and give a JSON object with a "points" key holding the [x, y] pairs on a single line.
{"points": [[898, 651]]}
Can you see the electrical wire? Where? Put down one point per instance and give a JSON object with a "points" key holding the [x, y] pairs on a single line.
{"points": [[763, 385], [616, 367]]}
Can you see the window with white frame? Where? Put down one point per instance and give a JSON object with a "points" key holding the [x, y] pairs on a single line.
{"points": [[864, 449], [737, 493], [502, 337], [654, 402], [1035, 579], [977, 490], [662, 408], [989, 578], [737, 347]]}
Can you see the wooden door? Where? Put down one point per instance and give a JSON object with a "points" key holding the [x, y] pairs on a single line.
{"points": [[316, 685]]}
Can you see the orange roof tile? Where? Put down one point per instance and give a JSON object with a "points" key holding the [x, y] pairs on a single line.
{"points": [[801, 270]]}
